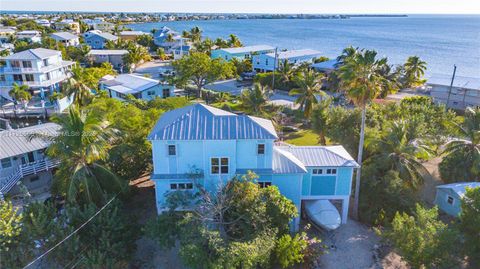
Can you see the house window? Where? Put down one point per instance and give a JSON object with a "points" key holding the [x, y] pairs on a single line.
{"points": [[17, 77], [264, 184], [332, 171], [2, 77], [181, 186], [150, 93], [29, 77], [166, 93], [6, 163], [450, 200], [261, 149], [172, 150], [219, 165], [317, 171], [266, 61], [27, 64], [33, 179]]}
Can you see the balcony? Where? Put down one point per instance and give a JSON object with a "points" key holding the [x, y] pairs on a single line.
{"points": [[35, 84], [7, 183], [43, 69]]}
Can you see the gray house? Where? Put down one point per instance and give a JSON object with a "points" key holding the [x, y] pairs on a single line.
{"points": [[114, 57], [68, 39], [449, 196], [464, 92]]}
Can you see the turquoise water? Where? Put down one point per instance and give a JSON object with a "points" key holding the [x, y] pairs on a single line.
{"points": [[442, 41]]}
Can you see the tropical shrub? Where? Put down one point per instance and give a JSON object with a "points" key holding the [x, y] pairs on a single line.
{"points": [[470, 225]]}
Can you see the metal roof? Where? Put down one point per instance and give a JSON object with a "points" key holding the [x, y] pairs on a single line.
{"points": [[284, 162], [107, 52], [248, 49], [63, 36], [32, 54], [202, 122], [460, 187], [295, 53], [321, 155], [138, 33], [458, 82], [326, 65], [128, 83], [106, 36], [15, 142]]}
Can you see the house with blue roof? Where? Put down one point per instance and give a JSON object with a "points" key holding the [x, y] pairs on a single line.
{"points": [[97, 39], [241, 53], [140, 87], [216, 145], [269, 61], [449, 196]]}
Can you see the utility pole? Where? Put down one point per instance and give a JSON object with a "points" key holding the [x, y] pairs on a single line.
{"points": [[451, 83], [274, 68]]}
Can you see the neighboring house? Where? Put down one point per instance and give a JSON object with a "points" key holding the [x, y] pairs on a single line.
{"points": [[131, 35], [68, 39], [140, 87], [99, 24], [203, 145], [241, 53], [464, 92], [31, 36], [43, 22], [98, 39], [41, 69], [24, 160], [266, 62], [449, 196], [180, 51], [6, 33], [67, 25], [326, 67], [115, 57], [160, 38]]}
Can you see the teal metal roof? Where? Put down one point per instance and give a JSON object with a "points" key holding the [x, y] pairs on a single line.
{"points": [[316, 156], [202, 122]]}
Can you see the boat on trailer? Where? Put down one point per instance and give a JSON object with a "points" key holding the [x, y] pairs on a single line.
{"points": [[323, 214]]}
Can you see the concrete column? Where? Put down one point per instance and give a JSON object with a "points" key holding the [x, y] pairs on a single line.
{"points": [[345, 203]]}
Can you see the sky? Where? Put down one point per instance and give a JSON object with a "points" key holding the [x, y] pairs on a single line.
{"points": [[252, 6]]}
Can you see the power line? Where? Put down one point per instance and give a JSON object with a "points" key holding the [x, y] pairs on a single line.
{"points": [[71, 234]]}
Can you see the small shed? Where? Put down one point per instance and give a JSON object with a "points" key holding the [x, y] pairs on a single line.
{"points": [[449, 196]]}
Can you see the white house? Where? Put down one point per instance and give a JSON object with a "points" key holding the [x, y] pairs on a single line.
{"points": [[23, 160], [266, 62], [215, 145], [68, 25], [68, 39], [464, 92], [114, 57], [32, 36], [41, 69], [140, 87], [242, 52]]}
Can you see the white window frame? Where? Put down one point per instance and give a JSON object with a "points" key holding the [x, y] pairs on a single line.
{"points": [[219, 165]]}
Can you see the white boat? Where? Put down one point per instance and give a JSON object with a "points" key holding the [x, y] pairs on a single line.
{"points": [[323, 213]]}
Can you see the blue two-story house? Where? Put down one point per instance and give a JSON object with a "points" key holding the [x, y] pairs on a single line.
{"points": [[97, 39], [218, 145]]}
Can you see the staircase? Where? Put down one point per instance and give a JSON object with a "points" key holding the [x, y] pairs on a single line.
{"points": [[7, 183]]}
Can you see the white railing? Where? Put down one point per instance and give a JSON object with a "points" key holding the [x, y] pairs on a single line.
{"points": [[7, 183]]}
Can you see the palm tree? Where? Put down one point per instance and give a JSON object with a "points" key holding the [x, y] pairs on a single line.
{"points": [[185, 34], [76, 86], [234, 41], [414, 70], [309, 86], [319, 119], [255, 100], [196, 34], [161, 54], [136, 54], [347, 53], [285, 71], [84, 142], [467, 143], [170, 38], [221, 43], [20, 93], [400, 151], [361, 80], [391, 77]]}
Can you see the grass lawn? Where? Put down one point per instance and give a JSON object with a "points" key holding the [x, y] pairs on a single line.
{"points": [[302, 138]]}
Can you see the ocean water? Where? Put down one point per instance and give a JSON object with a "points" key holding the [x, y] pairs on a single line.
{"points": [[440, 40]]}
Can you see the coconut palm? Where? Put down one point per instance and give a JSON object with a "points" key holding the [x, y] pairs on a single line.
{"points": [[391, 77], [221, 43], [170, 38], [285, 71], [400, 151], [319, 119], [136, 55], [467, 142], [362, 82], [76, 86], [20, 93], [234, 41], [255, 100], [196, 34], [161, 54], [347, 53], [82, 144], [414, 70], [309, 86]]}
